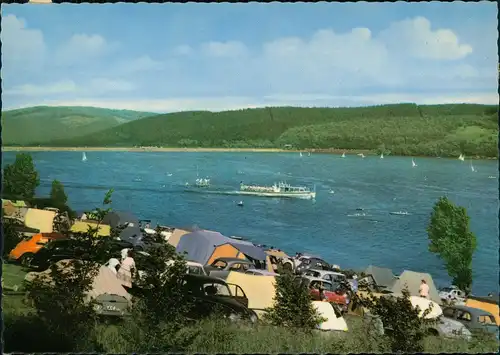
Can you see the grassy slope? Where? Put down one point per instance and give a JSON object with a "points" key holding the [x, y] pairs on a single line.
{"points": [[404, 129], [42, 124]]}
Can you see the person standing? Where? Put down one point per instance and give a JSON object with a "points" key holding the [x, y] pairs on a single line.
{"points": [[126, 271], [424, 289]]}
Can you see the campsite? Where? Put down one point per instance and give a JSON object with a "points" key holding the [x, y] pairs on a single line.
{"points": [[222, 273]]}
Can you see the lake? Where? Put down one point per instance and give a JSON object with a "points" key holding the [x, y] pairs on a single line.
{"points": [[152, 186]]}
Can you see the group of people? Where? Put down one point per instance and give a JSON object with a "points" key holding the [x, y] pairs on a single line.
{"points": [[124, 268]]}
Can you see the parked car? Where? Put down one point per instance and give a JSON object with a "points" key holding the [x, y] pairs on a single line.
{"points": [[474, 319], [210, 294], [30, 245], [305, 262], [68, 248], [330, 289], [328, 275], [444, 327], [221, 267], [452, 293]]}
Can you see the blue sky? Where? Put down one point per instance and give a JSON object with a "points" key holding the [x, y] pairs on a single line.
{"points": [[172, 57]]}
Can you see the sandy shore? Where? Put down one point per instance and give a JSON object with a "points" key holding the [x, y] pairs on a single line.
{"points": [[154, 149]]}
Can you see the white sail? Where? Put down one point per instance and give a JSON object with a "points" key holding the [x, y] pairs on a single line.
{"points": [[382, 156], [300, 153], [413, 164], [343, 155], [84, 157], [461, 157], [472, 167]]}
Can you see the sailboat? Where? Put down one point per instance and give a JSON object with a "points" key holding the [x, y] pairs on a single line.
{"points": [[84, 157], [382, 156], [361, 155], [413, 164], [343, 155], [309, 154], [472, 167], [300, 153], [461, 157]]}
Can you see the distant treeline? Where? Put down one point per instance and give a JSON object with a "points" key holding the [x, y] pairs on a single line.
{"points": [[402, 129]]}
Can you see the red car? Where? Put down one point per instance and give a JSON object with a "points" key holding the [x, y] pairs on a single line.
{"points": [[329, 289]]}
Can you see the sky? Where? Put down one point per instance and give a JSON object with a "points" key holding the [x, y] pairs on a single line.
{"points": [[177, 57]]}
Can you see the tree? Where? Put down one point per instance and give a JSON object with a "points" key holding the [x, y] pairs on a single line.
{"points": [[160, 310], [60, 297], [11, 237], [20, 179], [403, 325], [292, 304], [57, 194], [451, 239]]}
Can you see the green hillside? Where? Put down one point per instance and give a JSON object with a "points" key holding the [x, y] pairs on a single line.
{"points": [[43, 124], [403, 129]]}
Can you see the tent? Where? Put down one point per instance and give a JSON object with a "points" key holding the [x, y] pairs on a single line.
{"points": [[260, 290], [176, 236], [42, 220], [201, 245], [116, 218], [83, 227], [382, 276], [412, 280], [487, 303], [332, 322]]}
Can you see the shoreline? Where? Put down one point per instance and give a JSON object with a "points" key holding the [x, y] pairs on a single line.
{"points": [[214, 150]]}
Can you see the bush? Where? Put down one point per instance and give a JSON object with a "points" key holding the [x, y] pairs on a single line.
{"points": [[292, 305]]}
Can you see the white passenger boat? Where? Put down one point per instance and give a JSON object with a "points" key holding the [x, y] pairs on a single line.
{"points": [[280, 189]]}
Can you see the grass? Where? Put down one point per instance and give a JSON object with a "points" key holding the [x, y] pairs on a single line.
{"points": [[13, 275], [43, 124]]}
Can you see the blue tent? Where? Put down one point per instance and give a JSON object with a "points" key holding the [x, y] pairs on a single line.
{"points": [[200, 245]]}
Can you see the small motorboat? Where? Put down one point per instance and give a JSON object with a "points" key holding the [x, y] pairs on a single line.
{"points": [[360, 209], [399, 213], [240, 203], [357, 215]]}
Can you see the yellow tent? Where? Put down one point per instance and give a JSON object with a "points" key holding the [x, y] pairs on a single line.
{"points": [[83, 227], [259, 289], [42, 220], [176, 236], [485, 304]]}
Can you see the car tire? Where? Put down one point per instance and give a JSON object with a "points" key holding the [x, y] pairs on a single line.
{"points": [[26, 259]]}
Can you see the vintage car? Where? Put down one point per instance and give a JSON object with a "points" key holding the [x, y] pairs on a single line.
{"points": [[474, 319], [221, 267], [307, 262], [331, 276], [210, 295], [331, 290]]}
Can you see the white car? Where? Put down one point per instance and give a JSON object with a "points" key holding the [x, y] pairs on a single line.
{"points": [[452, 293], [331, 276]]}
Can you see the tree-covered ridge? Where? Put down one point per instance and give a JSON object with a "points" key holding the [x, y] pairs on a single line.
{"points": [[43, 124], [403, 129]]}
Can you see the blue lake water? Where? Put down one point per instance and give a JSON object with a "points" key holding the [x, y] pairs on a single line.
{"points": [[143, 184]]}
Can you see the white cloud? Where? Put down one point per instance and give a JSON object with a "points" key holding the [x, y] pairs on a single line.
{"points": [[417, 38], [224, 49], [22, 48], [183, 50], [60, 87], [64, 87], [108, 85], [240, 102], [82, 47]]}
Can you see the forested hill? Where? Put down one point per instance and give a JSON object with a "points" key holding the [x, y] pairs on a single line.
{"points": [[43, 123], [402, 129]]}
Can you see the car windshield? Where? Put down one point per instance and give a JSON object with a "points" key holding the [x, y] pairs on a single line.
{"points": [[216, 289], [196, 270], [446, 289], [219, 264], [313, 273]]}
